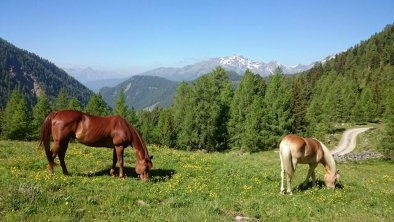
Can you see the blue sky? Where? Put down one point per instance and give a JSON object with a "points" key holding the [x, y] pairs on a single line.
{"points": [[144, 34]]}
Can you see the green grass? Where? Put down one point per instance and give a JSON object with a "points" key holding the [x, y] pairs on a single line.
{"points": [[185, 186]]}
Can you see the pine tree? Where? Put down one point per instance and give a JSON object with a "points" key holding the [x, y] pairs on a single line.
{"points": [[74, 104], [40, 111], [320, 111], [147, 125], [201, 112], [277, 118], [183, 109], [166, 129], [96, 106], [132, 117], [299, 105], [387, 142], [121, 108], [15, 118], [369, 107], [61, 101], [253, 135], [245, 120], [213, 93]]}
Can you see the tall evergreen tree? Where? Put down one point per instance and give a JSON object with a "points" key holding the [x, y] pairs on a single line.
{"points": [[148, 121], [244, 112], [132, 117], [369, 107], [40, 111], [213, 93], [320, 110], [299, 105], [61, 101], [97, 106], [15, 124], [74, 104], [183, 109], [166, 129], [120, 105], [278, 117], [387, 142]]}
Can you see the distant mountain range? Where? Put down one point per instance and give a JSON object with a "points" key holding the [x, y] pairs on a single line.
{"points": [[235, 63], [97, 79], [157, 87]]}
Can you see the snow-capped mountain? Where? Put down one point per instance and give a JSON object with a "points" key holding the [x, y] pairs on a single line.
{"points": [[234, 63]]}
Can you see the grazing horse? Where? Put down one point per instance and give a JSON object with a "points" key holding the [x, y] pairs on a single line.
{"points": [[111, 132], [294, 149]]}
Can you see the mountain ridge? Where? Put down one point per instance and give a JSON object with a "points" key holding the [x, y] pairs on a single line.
{"points": [[236, 63], [32, 75]]}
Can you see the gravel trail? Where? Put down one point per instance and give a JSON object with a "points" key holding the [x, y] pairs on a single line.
{"points": [[348, 141]]}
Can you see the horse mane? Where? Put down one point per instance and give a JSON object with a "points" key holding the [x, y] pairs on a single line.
{"points": [[328, 158], [135, 135]]}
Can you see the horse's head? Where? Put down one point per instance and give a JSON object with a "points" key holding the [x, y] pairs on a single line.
{"points": [[332, 180], [143, 167]]}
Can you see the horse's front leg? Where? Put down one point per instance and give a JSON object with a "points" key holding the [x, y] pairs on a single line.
{"points": [[311, 173], [119, 154], [308, 175]]}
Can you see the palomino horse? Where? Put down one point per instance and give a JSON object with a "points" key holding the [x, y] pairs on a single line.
{"points": [[294, 149], [111, 132]]}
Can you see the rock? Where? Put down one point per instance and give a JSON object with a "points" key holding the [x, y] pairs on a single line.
{"points": [[363, 155]]}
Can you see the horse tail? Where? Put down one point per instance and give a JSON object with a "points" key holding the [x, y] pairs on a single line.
{"points": [[46, 131], [285, 157]]}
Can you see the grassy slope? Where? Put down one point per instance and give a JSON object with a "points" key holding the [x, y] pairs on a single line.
{"points": [[185, 187]]}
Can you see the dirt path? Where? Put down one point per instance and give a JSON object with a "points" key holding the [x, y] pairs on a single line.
{"points": [[348, 141]]}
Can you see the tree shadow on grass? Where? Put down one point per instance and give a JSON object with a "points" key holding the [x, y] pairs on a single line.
{"points": [[319, 183], [339, 130], [157, 175]]}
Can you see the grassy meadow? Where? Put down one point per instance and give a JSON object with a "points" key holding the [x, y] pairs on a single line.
{"points": [[185, 186]]}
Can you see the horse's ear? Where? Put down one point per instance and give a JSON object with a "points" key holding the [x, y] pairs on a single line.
{"points": [[151, 157]]}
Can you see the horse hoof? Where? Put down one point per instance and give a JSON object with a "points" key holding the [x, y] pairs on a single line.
{"points": [[282, 192], [112, 173]]}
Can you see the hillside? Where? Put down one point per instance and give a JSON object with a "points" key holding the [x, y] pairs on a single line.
{"points": [[149, 91], [142, 92], [32, 75]]}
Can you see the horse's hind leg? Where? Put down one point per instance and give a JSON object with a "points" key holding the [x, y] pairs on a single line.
{"points": [[52, 155], [282, 176], [62, 155], [289, 177]]}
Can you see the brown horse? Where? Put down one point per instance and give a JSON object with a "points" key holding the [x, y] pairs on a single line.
{"points": [[294, 149], [111, 132]]}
